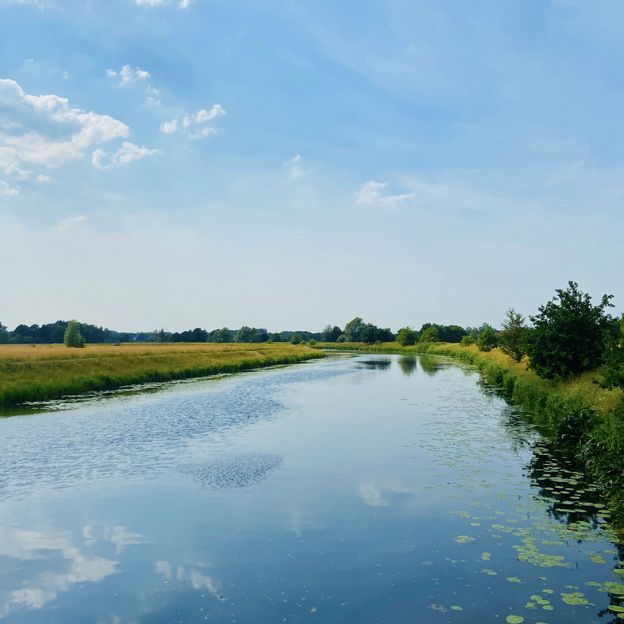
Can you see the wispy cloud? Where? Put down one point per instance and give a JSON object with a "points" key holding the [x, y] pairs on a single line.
{"points": [[128, 75], [183, 4], [371, 194], [194, 125], [127, 153], [6, 190], [294, 167]]}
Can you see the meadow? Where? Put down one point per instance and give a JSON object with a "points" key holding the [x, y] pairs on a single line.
{"points": [[43, 372]]}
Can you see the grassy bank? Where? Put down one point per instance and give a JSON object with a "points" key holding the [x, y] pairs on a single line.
{"points": [[583, 420], [52, 371]]}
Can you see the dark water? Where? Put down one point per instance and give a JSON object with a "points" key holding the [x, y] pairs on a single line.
{"points": [[366, 489]]}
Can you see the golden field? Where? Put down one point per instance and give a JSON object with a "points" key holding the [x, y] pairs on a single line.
{"points": [[35, 373]]}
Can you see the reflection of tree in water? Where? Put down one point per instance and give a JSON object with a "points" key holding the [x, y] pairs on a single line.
{"points": [[378, 364], [429, 365], [571, 497], [408, 365]]}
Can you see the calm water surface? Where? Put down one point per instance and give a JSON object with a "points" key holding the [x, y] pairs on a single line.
{"points": [[355, 489]]}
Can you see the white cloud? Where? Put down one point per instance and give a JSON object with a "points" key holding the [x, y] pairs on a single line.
{"points": [[203, 133], [169, 127], [127, 153], [128, 74], [193, 124], [203, 115], [370, 194], [294, 168], [7, 191], [183, 4], [45, 131]]}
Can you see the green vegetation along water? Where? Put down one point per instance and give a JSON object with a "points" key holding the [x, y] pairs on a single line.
{"points": [[374, 488]]}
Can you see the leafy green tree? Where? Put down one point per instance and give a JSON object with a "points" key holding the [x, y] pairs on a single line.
{"points": [[245, 334], [353, 330], [296, 339], [570, 334], [513, 337], [4, 334], [385, 335], [406, 336], [450, 333], [331, 334], [222, 335], [429, 334], [72, 336], [613, 369], [341, 338], [369, 333], [487, 338]]}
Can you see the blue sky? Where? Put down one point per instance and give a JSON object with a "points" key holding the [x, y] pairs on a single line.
{"points": [[286, 164]]}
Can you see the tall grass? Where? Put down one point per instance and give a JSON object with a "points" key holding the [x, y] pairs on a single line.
{"points": [[52, 371]]}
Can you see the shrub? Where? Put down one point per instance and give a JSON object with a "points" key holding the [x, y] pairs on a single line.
{"points": [[406, 336], [487, 338]]}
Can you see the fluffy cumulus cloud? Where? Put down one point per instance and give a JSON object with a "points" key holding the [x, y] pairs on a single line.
{"points": [[44, 131], [372, 194], [127, 153], [195, 125]]}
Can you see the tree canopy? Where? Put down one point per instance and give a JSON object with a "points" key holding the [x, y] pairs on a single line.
{"points": [[514, 335], [570, 334], [72, 337]]}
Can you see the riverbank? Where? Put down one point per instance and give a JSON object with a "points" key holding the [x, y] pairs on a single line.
{"points": [[44, 372], [582, 420]]}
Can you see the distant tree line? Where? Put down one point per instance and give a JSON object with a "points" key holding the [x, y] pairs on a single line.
{"points": [[54, 333]]}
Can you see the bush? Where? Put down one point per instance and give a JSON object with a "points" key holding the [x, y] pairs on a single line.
{"points": [[406, 336], [487, 338], [296, 339]]}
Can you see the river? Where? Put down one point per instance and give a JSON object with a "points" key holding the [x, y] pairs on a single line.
{"points": [[355, 489]]}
